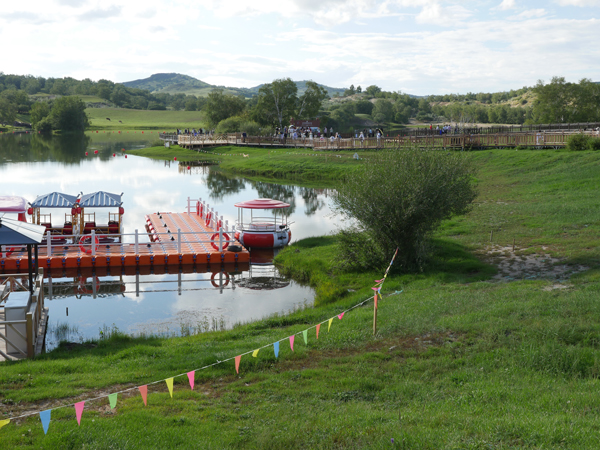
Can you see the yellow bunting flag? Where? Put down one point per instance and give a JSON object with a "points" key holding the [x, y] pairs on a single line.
{"points": [[255, 352], [170, 385], [329, 327], [4, 422]]}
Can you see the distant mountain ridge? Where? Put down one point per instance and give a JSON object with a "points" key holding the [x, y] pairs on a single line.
{"points": [[175, 83]]}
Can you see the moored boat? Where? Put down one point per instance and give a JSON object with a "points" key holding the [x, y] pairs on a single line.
{"points": [[262, 231]]}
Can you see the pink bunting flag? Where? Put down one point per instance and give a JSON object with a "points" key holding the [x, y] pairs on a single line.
{"points": [[292, 342], [144, 392], [237, 363], [79, 411], [191, 378], [340, 316], [375, 288], [379, 281], [318, 328]]}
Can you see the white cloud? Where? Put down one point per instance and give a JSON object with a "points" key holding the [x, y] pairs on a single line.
{"points": [[507, 4], [578, 2]]}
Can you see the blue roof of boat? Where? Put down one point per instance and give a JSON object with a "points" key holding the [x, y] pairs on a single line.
{"points": [[101, 199], [54, 200]]}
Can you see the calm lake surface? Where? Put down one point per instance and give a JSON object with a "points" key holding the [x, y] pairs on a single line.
{"points": [[174, 303]]}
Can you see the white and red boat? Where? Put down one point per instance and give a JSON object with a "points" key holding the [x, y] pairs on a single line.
{"points": [[261, 231]]}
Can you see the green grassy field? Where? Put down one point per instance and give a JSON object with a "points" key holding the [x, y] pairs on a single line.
{"points": [[465, 356], [142, 120]]}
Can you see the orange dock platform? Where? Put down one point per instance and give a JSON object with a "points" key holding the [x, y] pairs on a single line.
{"points": [[178, 239]]}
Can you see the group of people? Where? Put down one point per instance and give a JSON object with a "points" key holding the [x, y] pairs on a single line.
{"points": [[303, 132], [194, 132]]}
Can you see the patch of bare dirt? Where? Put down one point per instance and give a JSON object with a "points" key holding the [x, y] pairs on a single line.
{"points": [[518, 265]]}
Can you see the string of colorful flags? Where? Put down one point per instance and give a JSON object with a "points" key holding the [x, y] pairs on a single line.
{"points": [[45, 416]]}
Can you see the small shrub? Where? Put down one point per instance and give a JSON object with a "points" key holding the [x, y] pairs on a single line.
{"points": [[578, 142], [594, 143], [155, 143]]}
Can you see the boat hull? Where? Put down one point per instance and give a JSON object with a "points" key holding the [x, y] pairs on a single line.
{"points": [[264, 239]]}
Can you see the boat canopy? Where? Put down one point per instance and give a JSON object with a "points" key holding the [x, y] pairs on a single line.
{"points": [[262, 203], [12, 204], [101, 199], [54, 200], [15, 232]]}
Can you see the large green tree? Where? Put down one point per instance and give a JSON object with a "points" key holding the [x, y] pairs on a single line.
{"points": [[68, 114], [219, 106], [8, 111], [398, 198], [309, 103], [276, 102]]}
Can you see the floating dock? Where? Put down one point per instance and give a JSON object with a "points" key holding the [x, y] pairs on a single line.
{"points": [[178, 239]]}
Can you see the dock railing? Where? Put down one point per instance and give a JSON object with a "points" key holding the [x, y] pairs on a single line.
{"points": [[36, 315]]}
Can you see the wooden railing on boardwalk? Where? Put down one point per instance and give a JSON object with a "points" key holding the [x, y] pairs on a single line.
{"points": [[35, 321], [539, 139]]}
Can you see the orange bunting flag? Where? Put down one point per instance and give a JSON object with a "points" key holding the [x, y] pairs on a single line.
{"points": [[305, 336], [191, 378], [375, 300], [79, 411], [340, 316], [329, 327], [144, 392], [237, 363], [4, 422], [318, 328], [169, 382], [292, 338]]}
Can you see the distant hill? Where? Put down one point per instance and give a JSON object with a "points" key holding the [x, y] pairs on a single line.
{"points": [[175, 83]]}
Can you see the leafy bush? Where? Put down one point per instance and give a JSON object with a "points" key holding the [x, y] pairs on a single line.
{"points": [[238, 124], [578, 142], [44, 125], [399, 198], [594, 143]]}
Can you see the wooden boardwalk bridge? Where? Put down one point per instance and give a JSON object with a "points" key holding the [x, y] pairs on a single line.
{"points": [[537, 139]]}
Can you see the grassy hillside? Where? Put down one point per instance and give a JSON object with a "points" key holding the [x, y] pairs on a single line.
{"points": [[465, 356], [143, 119]]}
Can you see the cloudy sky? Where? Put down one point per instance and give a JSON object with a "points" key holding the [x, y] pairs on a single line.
{"points": [[414, 46]]}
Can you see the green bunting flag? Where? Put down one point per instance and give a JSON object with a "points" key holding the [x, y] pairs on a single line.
{"points": [[305, 336], [329, 327], [112, 398]]}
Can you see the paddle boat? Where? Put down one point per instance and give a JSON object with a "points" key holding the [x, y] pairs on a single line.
{"points": [[12, 207], [261, 231]]}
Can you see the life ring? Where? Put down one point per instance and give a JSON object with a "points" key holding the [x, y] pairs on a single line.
{"points": [[82, 244], [214, 244], [208, 217], [83, 290], [8, 252], [212, 279]]}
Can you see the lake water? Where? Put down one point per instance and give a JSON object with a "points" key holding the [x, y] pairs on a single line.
{"points": [[174, 303]]}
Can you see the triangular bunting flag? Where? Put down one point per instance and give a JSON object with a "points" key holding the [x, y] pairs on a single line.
{"points": [[318, 328], [276, 348], [329, 327], [4, 422], [292, 338], [305, 336], [379, 281], [238, 358], [340, 316], [45, 418], [144, 392], [79, 411], [169, 382], [112, 398], [255, 352], [191, 377]]}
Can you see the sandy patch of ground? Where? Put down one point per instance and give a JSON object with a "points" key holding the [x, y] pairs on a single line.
{"points": [[514, 265]]}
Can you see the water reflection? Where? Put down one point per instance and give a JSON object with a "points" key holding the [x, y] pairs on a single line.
{"points": [[155, 301]]}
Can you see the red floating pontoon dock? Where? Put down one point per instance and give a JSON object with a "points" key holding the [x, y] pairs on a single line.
{"points": [[197, 236]]}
